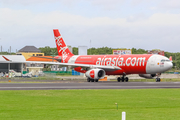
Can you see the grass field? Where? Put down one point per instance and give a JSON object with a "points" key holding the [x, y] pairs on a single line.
{"points": [[139, 104]]}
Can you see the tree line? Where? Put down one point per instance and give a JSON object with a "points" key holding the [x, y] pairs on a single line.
{"points": [[91, 51]]}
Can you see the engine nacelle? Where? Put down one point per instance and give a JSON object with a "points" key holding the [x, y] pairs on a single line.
{"points": [[95, 73], [148, 76]]}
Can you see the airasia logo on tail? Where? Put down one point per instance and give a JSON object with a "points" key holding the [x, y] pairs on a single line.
{"points": [[63, 50], [91, 74]]}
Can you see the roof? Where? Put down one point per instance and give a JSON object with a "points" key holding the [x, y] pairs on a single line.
{"points": [[29, 49], [41, 59], [19, 58]]}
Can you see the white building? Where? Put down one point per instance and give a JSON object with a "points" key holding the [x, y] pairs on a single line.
{"points": [[17, 66]]}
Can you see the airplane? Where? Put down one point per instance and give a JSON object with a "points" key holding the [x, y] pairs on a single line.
{"points": [[96, 67]]}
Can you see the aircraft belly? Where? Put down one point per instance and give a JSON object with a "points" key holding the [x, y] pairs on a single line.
{"points": [[117, 72]]}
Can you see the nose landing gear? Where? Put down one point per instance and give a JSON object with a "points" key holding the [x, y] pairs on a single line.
{"points": [[158, 79]]}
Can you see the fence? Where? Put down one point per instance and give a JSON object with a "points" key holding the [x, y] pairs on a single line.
{"points": [[58, 72], [75, 73], [172, 72]]}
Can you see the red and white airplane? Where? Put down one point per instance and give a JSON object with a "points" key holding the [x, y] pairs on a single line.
{"points": [[96, 67]]}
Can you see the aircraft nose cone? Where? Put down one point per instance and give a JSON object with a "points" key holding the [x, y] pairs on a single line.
{"points": [[169, 65]]}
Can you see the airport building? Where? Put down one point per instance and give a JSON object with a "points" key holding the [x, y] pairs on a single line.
{"points": [[5, 65], [159, 52], [121, 52], [29, 51], [35, 68]]}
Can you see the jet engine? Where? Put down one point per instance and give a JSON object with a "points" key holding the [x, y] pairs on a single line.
{"points": [[148, 76], [95, 73]]}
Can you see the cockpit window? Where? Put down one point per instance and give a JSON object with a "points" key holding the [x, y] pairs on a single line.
{"points": [[163, 60]]}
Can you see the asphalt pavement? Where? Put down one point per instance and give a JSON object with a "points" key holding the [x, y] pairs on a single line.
{"points": [[86, 85]]}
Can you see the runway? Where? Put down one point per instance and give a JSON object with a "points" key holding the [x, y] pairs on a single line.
{"points": [[86, 85]]}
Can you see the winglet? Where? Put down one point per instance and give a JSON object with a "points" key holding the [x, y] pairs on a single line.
{"points": [[6, 58], [170, 58]]}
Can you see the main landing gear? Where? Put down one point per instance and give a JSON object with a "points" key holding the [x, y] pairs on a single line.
{"points": [[123, 79], [92, 80]]}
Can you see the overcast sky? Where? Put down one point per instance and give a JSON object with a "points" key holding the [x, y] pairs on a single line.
{"points": [[146, 24]]}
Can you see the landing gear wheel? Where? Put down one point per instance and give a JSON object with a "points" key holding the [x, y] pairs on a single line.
{"points": [[96, 80], [88, 80], [92, 80], [122, 79], [158, 79], [126, 79], [118, 79]]}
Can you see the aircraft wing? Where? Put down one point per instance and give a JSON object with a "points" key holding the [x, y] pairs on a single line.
{"points": [[72, 65]]}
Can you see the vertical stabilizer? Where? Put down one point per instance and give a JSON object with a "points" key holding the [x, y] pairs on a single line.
{"points": [[62, 49]]}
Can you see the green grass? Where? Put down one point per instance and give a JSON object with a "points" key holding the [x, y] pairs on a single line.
{"points": [[139, 104]]}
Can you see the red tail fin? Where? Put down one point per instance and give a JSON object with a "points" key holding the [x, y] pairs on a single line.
{"points": [[61, 45]]}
